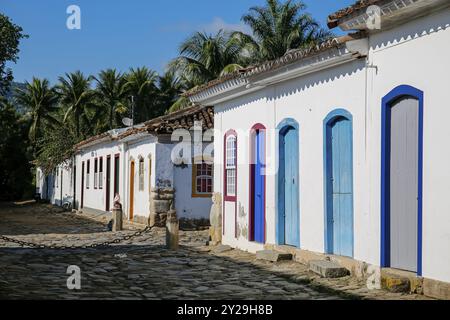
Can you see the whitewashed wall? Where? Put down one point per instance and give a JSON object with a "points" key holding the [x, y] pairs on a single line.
{"points": [[163, 175], [417, 54], [96, 198], [63, 190], [145, 149], [44, 184], [187, 206], [307, 100]]}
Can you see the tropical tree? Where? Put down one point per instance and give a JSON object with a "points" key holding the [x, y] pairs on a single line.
{"points": [[277, 28], [141, 85], [112, 94], [15, 166], [204, 57], [41, 102], [78, 100], [10, 36]]}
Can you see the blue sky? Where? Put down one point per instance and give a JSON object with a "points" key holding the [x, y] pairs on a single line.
{"points": [[122, 33]]}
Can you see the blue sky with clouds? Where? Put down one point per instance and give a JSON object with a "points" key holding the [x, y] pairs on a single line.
{"points": [[122, 33]]}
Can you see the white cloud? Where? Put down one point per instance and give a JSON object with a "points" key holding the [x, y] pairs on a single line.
{"points": [[219, 24], [212, 27]]}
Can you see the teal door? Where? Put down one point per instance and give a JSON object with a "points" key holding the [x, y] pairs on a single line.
{"points": [[289, 188], [339, 187]]}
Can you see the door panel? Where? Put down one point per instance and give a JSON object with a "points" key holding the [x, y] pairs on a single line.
{"points": [[108, 184], [341, 166], [259, 201], [290, 187], [82, 186], [131, 213], [116, 175], [404, 168]]}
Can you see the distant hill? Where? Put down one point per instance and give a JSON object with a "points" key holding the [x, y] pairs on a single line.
{"points": [[14, 86], [10, 95]]}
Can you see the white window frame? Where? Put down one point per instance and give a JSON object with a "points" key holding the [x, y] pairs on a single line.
{"points": [[88, 173], [141, 172], [230, 165], [100, 173]]}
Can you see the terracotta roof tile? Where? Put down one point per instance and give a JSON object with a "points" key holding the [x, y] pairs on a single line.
{"points": [[290, 57], [165, 124], [334, 19]]}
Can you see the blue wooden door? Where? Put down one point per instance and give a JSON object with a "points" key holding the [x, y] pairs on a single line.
{"points": [[259, 201], [340, 206], [289, 183]]}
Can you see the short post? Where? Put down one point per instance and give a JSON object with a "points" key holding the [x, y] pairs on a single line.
{"points": [[172, 227], [117, 219], [117, 214]]}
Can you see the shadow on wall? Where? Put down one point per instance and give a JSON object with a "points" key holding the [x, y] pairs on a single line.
{"points": [[295, 86], [417, 29]]}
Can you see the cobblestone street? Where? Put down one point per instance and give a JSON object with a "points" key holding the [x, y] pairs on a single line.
{"points": [[141, 268]]}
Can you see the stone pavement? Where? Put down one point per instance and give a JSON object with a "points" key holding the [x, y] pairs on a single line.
{"points": [[142, 268]]}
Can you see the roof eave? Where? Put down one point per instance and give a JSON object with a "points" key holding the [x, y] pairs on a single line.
{"points": [[92, 143], [393, 13], [344, 53]]}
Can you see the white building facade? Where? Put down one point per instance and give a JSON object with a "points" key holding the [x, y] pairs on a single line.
{"points": [[138, 165], [337, 150]]}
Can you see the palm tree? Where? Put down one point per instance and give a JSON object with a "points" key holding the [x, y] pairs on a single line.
{"points": [[77, 97], [111, 93], [278, 28], [204, 57], [41, 101], [170, 88], [141, 84]]}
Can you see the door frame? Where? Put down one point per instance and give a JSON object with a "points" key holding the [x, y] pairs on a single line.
{"points": [[328, 121], [82, 185], [251, 216], [108, 184], [74, 186], [280, 222], [131, 195], [226, 198], [387, 102], [116, 187]]}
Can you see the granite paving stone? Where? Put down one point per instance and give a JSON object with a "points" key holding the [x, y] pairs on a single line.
{"points": [[142, 268]]}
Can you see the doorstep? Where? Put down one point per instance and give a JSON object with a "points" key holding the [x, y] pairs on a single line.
{"points": [[395, 280], [356, 268], [391, 279]]}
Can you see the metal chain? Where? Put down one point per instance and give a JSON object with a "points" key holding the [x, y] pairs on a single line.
{"points": [[73, 247]]}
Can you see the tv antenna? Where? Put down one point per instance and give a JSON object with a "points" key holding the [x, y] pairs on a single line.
{"points": [[127, 121]]}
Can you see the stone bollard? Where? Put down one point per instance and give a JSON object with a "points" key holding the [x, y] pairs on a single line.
{"points": [[172, 228], [117, 220], [215, 219]]}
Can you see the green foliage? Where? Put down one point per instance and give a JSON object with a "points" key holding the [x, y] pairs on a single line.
{"points": [[80, 106], [77, 98], [55, 147], [111, 93], [40, 101], [141, 84], [15, 168], [277, 28], [204, 57], [10, 36]]}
